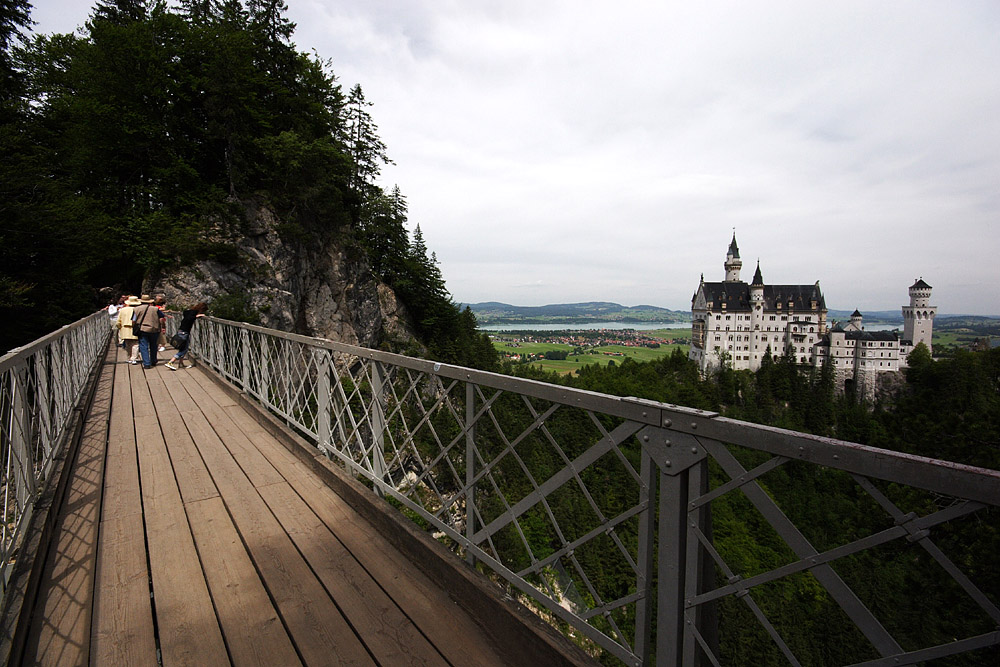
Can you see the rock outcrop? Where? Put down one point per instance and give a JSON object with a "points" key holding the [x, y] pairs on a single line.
{"points": [[290, 280]]}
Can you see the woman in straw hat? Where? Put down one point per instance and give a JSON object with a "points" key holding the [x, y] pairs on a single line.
{"points": [[125, 332], [149, 320]]}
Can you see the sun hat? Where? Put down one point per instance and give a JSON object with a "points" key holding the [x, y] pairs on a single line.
{"points": [[133, 301], [146, 299]]}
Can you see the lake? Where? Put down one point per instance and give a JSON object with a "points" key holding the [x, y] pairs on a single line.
{"points": [[586, 326], [638, 326]]}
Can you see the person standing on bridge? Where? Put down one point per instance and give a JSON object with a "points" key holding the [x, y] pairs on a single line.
{"points": [[124, 324], [184, 334], [147, 321]]}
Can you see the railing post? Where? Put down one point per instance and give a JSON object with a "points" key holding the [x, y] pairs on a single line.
{"points": [[647, 533], [324, 396], [378, 426], [264, 367], [20, 436], [470, 467], [672, 568], [675, 455], [700, 570], [43, 400], [245, 359]]}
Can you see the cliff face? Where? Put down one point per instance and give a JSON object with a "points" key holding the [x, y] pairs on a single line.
{"points": [[292, 281]]}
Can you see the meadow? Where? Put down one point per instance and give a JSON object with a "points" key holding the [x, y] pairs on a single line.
{"points": [[594, 354]]}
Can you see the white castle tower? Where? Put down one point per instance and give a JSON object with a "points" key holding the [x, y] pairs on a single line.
{"points": [[918, 317], [733, 262]]}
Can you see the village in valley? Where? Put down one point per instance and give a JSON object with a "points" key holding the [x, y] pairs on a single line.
{"points": [[568, 350]]}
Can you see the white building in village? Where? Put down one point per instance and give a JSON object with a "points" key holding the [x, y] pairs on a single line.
{"points": [[740, 324]]}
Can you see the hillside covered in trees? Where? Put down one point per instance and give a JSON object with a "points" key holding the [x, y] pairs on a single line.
{"points": [[131, 142], [947, 409]]}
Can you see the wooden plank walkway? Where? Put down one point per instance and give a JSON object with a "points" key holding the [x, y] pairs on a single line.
{"points": [[191, 536]]}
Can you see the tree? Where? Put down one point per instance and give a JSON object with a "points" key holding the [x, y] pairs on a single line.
{"points": [[363, 143], [14, 21]]}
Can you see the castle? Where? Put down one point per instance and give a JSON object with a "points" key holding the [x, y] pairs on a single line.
{"points": [[740, 324]]}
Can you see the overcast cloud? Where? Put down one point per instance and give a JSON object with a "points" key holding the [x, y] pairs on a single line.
{"points": [[568, 151]]}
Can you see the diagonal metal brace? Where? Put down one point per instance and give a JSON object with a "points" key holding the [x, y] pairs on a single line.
{"points": [[673, 451]]}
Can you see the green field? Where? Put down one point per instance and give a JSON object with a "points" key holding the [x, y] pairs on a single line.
{"points": [[595, 355], [958, 338]]}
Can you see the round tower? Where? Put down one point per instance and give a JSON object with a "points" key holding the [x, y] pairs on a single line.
{"points": [[733, 263], [918, 317]]}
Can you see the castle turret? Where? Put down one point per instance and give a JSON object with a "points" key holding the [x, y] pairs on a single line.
{"points": [[757, 287], [733, 263], [856, 318], [918, 317]]}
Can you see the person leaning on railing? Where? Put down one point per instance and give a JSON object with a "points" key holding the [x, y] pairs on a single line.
{"points": [[183, 336]]}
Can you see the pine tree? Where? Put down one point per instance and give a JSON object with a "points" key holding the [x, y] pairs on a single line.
{"points": [[363, 143]]}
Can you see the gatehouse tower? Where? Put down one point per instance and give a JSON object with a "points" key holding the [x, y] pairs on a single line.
{"points": [[918, 317]]}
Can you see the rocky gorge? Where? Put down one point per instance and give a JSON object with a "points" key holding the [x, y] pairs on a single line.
{"points": [[287, 278]]}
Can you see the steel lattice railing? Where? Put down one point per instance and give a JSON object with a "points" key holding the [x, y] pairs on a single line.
{"points": [[599, 509], [40, 385]]}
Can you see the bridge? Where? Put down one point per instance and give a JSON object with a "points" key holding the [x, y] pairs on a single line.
{"points": [[293, 500]]}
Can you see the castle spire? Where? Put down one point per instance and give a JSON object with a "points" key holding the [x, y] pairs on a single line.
{"points": [[733, 263], [757, 278]]}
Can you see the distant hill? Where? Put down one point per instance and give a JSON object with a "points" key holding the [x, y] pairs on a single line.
{"points": [[492, 312], [873, 316], [495, 312], [896, 317]]}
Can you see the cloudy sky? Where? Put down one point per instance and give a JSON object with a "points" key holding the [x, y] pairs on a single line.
{"points": [[558, 151]]}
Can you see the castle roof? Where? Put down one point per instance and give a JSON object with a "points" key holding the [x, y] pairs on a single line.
{"points": [[736, 296], [733, 248], [919, 284], [871, 335], [856, 313], [757, 278], [859, 334]]}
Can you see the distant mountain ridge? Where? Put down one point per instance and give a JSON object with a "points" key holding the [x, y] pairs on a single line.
{"points": [[493, 312]]}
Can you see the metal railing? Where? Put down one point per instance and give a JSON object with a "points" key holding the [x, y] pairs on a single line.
{"points": [[600, 509], [40, 385]]}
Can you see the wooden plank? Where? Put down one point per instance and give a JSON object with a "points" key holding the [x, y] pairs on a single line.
{"points": [[183, 400], [122, 631], [121, 479], [188, 629], [192, 476], [391, 637], [453, 632], [447, 627], [313, 620], [60, 630], [253, 630], [254, 465]]}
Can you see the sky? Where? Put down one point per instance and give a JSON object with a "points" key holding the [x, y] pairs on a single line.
{"points": [[562, 151]]}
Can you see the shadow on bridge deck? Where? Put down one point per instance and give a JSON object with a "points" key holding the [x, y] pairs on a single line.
{"points": [[189, 531]]}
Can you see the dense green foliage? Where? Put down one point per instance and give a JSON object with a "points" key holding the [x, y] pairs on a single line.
{"points": [[129, 143], [947, 409]]}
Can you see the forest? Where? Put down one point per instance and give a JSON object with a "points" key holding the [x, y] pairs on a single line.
{"points": [[128, 141], [947, 409]]}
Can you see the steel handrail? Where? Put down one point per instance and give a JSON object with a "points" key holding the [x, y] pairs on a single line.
{"points": [[41, 384], [434, 438]]}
